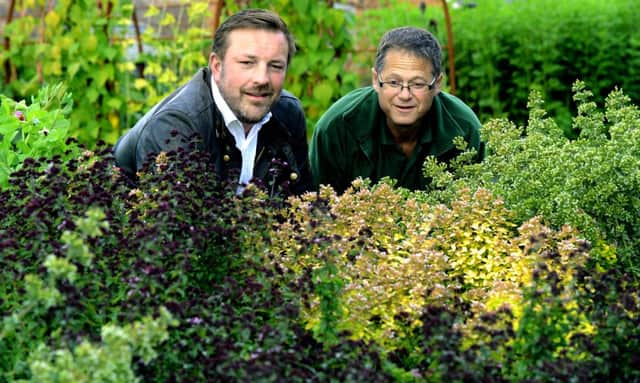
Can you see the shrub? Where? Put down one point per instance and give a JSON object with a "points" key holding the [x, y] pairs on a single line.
{"points": [[590, 182], [387, 257], [176, 238], [377, 284]]}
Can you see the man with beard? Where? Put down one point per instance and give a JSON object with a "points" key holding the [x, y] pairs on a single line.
{"points": [[235, 107], [388, 129]]}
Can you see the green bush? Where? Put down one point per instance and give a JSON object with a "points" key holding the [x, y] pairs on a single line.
{"points": [[477, 279], [591, 182], [81, 44], [111, 360], [373, 285], [31, 131], [176, 238]]}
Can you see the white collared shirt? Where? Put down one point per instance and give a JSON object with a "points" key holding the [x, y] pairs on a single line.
{"points": [[247, 144]]}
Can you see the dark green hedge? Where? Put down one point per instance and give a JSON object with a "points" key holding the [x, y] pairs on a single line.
{"points": [[502, 51]]}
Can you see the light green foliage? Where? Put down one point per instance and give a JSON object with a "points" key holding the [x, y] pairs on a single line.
{"points": [[81, 44], [172, 51], [551, 315], [110, 361], [33, 130], [378, 251], [591, 183], [91, 226]]}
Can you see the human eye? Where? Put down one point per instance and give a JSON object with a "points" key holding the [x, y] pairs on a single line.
{"points": [[278, 66], [418, 85], [394, 83], [246, 62]]}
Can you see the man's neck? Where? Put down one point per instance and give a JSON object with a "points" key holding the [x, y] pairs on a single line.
{"points": [[406, 137]]}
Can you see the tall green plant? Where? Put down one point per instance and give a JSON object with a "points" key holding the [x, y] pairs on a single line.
{"points": [[81, 43], [174, 47], [591, 182], [40, 128]]}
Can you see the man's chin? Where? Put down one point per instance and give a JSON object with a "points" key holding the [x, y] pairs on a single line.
{"points": [[405, 124], [253, 118]]}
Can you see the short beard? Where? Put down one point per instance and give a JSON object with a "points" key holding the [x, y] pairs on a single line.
{"points": [[243, 118]]}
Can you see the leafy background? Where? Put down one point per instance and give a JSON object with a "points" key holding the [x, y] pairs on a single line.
{"points": [[503, 49]]}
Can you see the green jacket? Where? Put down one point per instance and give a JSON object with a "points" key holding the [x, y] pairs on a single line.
{"points": [[351, 140]]}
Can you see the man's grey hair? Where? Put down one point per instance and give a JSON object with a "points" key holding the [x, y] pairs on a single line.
{"points": [[415, 41]]}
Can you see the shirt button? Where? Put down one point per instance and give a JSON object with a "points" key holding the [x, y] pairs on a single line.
{"points": [[226, 158]]}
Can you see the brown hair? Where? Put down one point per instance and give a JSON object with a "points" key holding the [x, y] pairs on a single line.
{"points": [[251, 19]]}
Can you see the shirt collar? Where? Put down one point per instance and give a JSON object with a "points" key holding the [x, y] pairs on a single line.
{"points": [[228, 116]]}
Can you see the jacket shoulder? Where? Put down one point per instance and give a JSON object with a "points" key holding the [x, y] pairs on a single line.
{"points": [[459, 111], [355, 112], [289, 113]]}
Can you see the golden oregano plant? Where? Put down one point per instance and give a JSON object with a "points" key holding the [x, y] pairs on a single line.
{"points": [[394, 255]]}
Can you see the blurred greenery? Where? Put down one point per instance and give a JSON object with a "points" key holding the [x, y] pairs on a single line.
{"points": [[502, 50]]}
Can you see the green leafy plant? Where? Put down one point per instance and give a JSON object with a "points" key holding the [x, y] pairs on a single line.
{"points": [[379, 284], [31, 131], [24, 328], [80, 43], [590, 182]]}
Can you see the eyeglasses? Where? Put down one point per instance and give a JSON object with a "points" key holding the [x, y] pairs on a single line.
{"points": [[412, 87]]}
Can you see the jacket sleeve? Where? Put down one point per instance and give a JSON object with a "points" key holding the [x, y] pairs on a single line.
{"points": [[161, 132], [474, 138]]}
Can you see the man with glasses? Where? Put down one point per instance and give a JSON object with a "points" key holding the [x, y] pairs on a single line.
{"points": [[389, 128]]}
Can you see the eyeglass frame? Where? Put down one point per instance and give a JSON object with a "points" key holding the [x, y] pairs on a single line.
{"points": [[402, 85]]}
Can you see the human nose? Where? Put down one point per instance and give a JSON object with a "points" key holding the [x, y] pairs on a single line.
{"points": [[403, 87], [261, 74]]}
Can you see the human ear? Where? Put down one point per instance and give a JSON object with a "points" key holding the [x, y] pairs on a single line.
{"points": [[215, 64], [374, 79]]}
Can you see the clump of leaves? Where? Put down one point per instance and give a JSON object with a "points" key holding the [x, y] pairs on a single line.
{"points": [[390, 256], [111, 361], [448, 292], [37, 129], [591, 183]]}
